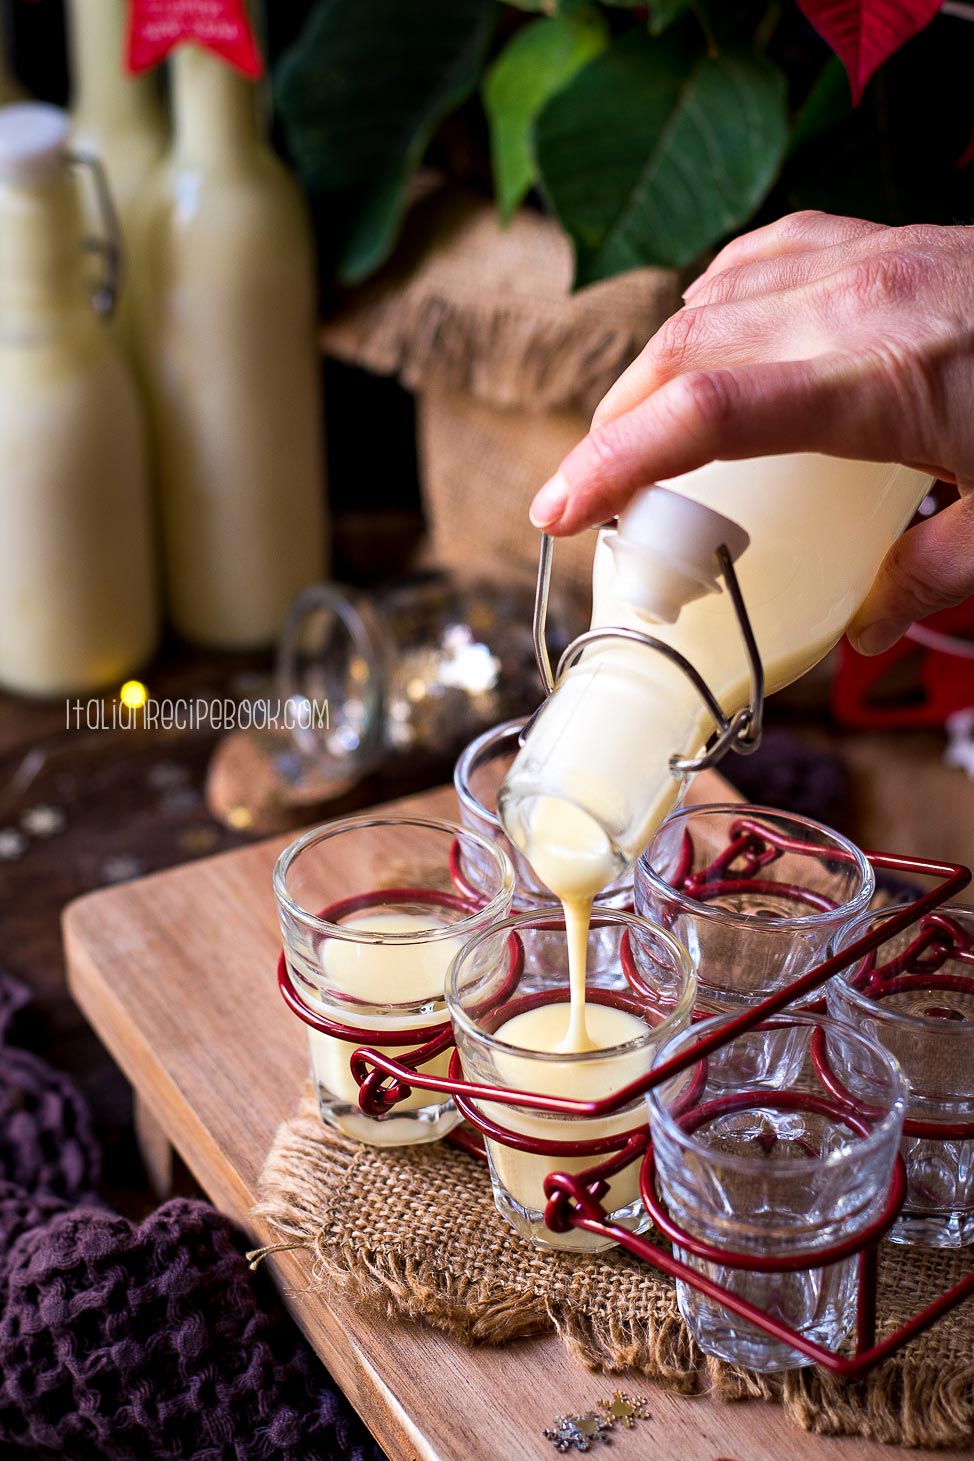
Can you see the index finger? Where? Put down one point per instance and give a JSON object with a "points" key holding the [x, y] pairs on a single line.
{"points": [[823, 404]]}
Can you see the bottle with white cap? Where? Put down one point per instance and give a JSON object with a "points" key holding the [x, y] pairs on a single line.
{"points": [[594, 778], [77, 594]]}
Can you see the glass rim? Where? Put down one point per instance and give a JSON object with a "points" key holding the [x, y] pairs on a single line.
{"points": [[515, 922], [286, 859], [658, 1112], [961, 1030], [470, 752], [698, 909]]}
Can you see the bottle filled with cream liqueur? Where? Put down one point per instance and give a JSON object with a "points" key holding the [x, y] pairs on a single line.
{"points": [[78, 604], [593, 780], [116, 115], [224, 280]]}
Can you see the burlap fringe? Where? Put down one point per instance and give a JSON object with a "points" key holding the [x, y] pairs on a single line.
{"points": [[469, 305], [909, 1401], [612, 1344]]}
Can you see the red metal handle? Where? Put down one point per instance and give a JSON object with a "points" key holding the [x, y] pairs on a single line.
{"points": [[371, 1067], [573, 1200], [954, 877], [573, 1203]]}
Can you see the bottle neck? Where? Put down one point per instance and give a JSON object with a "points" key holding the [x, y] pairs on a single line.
{"points": [[215, 111], [102, 91], [40, 256]]}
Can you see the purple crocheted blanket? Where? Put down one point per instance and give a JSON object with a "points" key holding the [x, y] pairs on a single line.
{"points": [[136, 1342]]}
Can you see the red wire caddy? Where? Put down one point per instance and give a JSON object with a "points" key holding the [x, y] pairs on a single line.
{"points": [[574, 1200]]}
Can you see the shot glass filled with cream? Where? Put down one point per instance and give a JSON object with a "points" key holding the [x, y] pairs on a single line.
{"points": [[371, 919], [518, 1025]]}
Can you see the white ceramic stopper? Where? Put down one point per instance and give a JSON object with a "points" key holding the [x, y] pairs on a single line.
{"points": [[33, 141], [665, 551]]}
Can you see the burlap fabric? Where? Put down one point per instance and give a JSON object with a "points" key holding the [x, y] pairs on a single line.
{"points": [[507, 364], [469, 305], [413, 1234]]}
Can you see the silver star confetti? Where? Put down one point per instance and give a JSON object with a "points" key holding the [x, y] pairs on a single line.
{"points": [[577, 1432], [120, 869], [43, 820], [13, 844], [166, 775]]}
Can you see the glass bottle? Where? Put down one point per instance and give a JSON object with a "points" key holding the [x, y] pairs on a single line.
{"points": [[77, 592], [117, 116], [223, 272], [593, 780]]}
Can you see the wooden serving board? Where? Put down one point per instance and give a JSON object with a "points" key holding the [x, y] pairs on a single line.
{"points": [[176, 972]]}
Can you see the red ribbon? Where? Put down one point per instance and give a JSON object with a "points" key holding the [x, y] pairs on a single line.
{"points": [[222, 26]]}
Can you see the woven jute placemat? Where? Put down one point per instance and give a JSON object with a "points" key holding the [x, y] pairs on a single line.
{"points": [[413, 1234]]}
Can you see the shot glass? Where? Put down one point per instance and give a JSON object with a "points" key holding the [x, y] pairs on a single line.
{"points": [[508, 997], [477, 778], [782, 1173], [755, 895], [371, 918], [915, 996]]}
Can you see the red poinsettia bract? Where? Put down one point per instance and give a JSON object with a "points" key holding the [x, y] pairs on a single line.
{"points": [[863, 33]]}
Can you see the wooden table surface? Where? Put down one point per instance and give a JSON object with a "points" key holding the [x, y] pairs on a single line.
{"points": [[176, 974]]}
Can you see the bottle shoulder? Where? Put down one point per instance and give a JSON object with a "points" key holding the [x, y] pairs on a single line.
{"points": [[255, 181], [228, 230]]}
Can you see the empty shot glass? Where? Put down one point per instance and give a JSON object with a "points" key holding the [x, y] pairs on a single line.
{"points": [[371, 918], [508, 997], [783, 1173], [915, 995], [477, 778], [754, 894]]}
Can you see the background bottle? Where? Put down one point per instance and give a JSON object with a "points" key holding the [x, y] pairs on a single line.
{"points": [[118, 116], [819, 528], [77, 598], [225, 301]]}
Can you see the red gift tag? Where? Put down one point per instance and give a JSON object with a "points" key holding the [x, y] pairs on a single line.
{"points": [[222, 26]]}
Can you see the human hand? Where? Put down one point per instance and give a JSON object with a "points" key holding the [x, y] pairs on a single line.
{"points": [[817, 334]]}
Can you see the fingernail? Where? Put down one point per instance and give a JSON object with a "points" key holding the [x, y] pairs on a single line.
{"points": [[691, 289], [874, 638], [550, 502]]}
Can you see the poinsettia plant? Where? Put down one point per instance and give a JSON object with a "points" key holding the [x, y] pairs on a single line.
{"points": [[651, 131]]}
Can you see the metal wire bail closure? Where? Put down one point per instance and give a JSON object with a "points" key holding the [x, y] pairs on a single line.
{"points": [[107, 246], [740, 732]]}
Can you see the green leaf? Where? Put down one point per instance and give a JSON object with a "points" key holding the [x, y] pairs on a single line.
{"points": [[558, 7], [535, 64], [827, 105], [653, 152], [359, 96], [662, 13]]}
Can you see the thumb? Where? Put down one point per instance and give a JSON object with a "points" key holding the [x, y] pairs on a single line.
{"points": [[931, 567]]}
